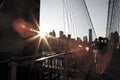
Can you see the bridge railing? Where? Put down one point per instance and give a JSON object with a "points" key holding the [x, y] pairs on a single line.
{"points": [[56, 66]]}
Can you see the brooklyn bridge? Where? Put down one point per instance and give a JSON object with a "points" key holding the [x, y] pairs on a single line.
{"points": [[70, 51]]}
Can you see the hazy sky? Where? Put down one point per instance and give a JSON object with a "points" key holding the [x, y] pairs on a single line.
{"points": [[98, 12], [52, 16]]}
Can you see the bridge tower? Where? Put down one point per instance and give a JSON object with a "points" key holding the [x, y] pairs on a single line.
{"points": [[113, 20]]}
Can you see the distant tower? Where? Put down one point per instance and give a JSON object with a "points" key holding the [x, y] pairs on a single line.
{"points": [[69, 36], [90, 36], [79, 39], [54, 34], [85, 38], [61, 34]]}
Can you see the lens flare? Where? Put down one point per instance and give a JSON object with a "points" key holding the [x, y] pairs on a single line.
{"points": [[87, 49], [42, 34], [28, 31], [80, 46]]}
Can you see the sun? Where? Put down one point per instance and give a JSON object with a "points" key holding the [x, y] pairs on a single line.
{"points": [[42, 34], [43, 31]]}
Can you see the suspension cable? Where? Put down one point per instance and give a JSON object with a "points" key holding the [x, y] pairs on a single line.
{"points": [[85, 6], [66, 13], [71, 16], [64, 16]]}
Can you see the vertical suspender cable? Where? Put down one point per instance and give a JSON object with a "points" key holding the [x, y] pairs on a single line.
{"points": [[66, 13], [75, 17], [110, 15], [71, 17], [64, 16]]}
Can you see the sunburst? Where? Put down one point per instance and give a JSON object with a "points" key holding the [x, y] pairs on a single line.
{"points": [[26, 30]]}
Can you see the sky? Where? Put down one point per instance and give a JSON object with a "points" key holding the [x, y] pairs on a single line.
{"points": [[52, 17], [98, 11]]}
